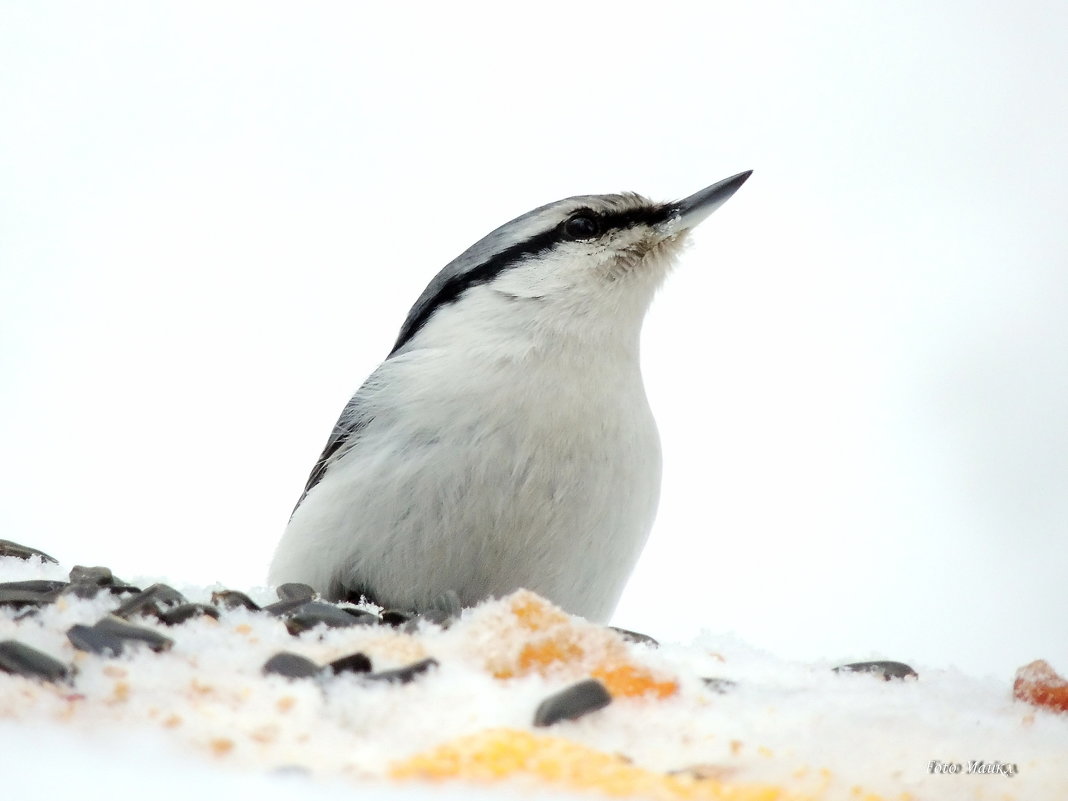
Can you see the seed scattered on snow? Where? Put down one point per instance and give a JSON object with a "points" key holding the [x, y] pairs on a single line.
{"points": [[571, 704], [19, 599], [94, 641], [319, 613], [180, 614], [395, 617], [232, 599], [353, 663], [150, 601], [290, 665], [110, 635], [405, 674], [43, 586], [20, 659], [888, 670], [634, 636], [101, 576], [295, 592], [9, 548], [718, 685]]}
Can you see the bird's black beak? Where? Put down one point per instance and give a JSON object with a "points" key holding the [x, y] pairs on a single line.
{"points": [[689, 212]]}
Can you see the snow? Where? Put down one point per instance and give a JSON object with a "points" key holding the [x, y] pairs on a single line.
{"points": [[202, 719]]}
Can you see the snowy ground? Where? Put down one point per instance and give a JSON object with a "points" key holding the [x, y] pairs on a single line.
{"points": [[201, 718]]}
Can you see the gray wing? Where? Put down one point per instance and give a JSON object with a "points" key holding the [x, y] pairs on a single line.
{"points": [[342, 438]]}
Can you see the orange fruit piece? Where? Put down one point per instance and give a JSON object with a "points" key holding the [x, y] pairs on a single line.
{"points": [[497, 754], [533, 636], [1039, 684]]}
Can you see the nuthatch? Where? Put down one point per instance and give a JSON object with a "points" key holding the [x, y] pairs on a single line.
{"points": [[506, 440]]}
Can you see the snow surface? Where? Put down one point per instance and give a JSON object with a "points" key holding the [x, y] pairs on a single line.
{"points": [[202, 719]]}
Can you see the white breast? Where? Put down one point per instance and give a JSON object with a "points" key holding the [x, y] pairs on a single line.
{"points": [[483, 473]]}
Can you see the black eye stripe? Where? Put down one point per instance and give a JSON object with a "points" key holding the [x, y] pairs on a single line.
{"points": [[617, 220], [453, 289]]}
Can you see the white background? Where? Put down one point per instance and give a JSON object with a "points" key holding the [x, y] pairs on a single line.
{"points": [[214, 217]]}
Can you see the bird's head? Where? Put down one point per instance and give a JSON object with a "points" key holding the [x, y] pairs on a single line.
{"points": [[586, 265]]}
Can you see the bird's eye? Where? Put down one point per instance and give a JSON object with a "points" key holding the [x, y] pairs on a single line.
{"points": [[581, 226]]}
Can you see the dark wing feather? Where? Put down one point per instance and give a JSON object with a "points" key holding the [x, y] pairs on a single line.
{"points": [[352, 420]]}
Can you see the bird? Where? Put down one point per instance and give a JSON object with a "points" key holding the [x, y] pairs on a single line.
{"points": [[506, 441]]}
